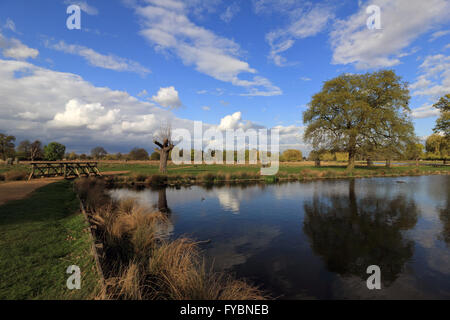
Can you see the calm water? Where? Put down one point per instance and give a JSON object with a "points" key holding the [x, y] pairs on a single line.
{"points": [[314, 240]]}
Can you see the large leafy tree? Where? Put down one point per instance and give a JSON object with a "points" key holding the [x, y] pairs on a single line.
{"points": [[6, 146], [292, 155], [98, 152], [54, 151], [360, 113], [24, 149], [437, 147], [138, 154], [443, 122]]}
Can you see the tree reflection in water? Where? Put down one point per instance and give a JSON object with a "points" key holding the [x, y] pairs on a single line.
{"points": [[444, 215], [350, 233]]}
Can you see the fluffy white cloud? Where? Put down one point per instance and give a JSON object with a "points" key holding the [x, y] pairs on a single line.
{"points": [[93, 116], [303, 23], [50, 105], [39, 103], [231, 121], [434, 80], [96, 59], [13, 48], [425, 111], [167, 26], [142, 124], [402, 21], [168, 97]]}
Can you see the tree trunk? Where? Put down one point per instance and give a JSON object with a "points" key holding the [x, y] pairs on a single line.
{"points": [[445, 162], [164, 155], [388, 163], [351, 153], [369, 162], [417, 162], [317, 163], [351, 160]]}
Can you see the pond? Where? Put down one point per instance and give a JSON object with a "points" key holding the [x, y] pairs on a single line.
{"points": [[315, 240]]}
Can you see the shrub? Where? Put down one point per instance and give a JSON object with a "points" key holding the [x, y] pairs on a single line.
{"points": [[156, 180], [139, 177], [206, 177], [15, 175]]}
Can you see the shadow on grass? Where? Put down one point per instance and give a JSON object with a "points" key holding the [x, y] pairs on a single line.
{"points": [[41, 236]]}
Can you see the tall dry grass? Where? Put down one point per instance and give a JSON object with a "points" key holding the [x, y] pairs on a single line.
{"points": [[175, 271], [141, 261]]}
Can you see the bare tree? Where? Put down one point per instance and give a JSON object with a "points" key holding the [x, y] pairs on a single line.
{"points": [[165, 145], [36, 150]]}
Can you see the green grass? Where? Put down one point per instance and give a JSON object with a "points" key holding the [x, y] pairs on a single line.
{"points": [[193, 170], [40, 237]]}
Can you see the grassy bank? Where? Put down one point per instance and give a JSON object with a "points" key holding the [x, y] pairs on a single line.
{"points": [[191, 174], [142, 171], [140, 260], [40, 237]]}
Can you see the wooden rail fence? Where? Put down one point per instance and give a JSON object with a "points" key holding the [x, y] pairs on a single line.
{"points": [[63, 169]]}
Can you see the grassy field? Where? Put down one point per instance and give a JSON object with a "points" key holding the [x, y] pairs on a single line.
{"points": [[40, 237], [295, 170], [285, 169]]}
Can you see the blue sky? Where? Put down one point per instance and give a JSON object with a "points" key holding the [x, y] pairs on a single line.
{"points": [[231, 64]]}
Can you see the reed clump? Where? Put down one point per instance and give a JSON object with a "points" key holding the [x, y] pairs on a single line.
{"points": [[142, 262]]}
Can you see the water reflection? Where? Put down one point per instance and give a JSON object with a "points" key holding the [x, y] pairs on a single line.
{"points": [[444, 215], [316, 239], [162, 201], [350, 232]]}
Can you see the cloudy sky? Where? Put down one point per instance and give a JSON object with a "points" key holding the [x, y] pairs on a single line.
{"points": [[231, 64]]}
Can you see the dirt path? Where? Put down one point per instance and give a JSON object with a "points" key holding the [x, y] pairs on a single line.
{"points": [[15, 190]]}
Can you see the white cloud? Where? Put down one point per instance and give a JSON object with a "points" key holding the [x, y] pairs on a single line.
{"points": [[402, 21], [168, 97], [9, 24], [230, 12], [96, 59], [38, 103], [13, 48], [142, 124], [304, 23], [435, 78], [305, 79], [83, 6], [439, 34], [231, 121], [28, 115], [169, 28], [424, 111], [92, 116], [206, 108], [49, 105]]}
